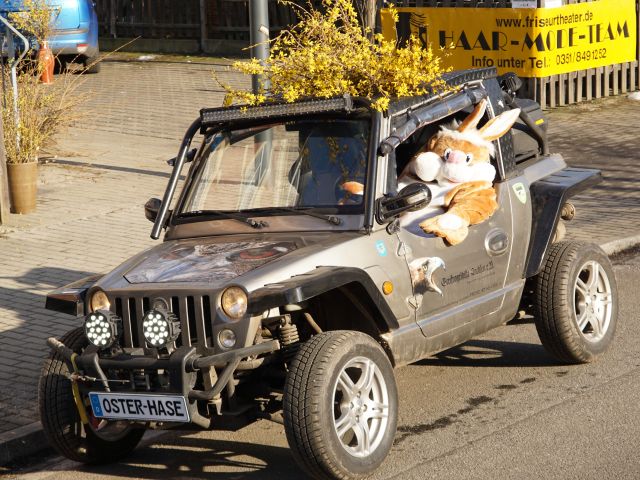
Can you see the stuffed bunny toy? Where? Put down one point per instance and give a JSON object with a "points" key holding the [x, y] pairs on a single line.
{"points": [[459, 161]]}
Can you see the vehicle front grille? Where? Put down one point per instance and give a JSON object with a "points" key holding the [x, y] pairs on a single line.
{"points": [[195, 313]]}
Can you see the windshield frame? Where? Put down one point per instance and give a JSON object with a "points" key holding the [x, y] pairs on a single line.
{"points": [[179, 217]]}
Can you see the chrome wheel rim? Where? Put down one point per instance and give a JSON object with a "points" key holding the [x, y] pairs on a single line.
{"points": [[593, 301], [360, 407]]}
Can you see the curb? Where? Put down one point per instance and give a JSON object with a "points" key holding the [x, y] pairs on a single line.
{"points": [[617, 246], [30, 439], [22, 442]]}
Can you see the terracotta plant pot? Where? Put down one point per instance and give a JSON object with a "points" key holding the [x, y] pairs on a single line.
{"points": [[47, 62], [23, 185]]}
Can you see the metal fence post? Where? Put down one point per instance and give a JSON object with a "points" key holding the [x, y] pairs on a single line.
{"points": [[4, 184], [203, 25], [112, 19], [259, 37]]}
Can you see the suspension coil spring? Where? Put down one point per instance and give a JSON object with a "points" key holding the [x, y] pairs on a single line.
{"points": [[289, 340]]}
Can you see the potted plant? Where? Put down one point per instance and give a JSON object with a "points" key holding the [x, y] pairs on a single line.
{"points": [[39, 112], [42, 112], [23, 139]]}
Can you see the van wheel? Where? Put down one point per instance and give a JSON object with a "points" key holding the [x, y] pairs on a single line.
{"points": [[97, 442], [60, 65], [340, 405], [93, 64], [576, 302]]}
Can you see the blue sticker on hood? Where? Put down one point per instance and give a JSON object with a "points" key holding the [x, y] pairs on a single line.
{"points": [[381, 248]]}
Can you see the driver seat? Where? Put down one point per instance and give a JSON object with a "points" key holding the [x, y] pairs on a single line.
{"points": [[330, 156]]}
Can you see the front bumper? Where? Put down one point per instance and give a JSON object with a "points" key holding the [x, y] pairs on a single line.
{"points": [[182, 366]]}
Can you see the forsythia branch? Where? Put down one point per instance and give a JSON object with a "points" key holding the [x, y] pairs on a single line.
{"points": [[330, 53]]}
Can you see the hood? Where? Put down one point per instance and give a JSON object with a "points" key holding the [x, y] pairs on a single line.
{"points": [[206, 260]]}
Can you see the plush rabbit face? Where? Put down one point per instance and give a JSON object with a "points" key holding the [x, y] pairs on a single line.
{"points": [[462, 153], [465, 153]]}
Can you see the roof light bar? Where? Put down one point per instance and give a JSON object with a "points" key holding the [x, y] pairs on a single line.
{"points": [[212, 116]]}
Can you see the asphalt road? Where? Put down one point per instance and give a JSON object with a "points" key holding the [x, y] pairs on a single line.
{"points": [[497, 407]]}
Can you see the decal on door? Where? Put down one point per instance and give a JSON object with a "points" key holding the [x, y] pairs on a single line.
{"points": [[521, 192], [422, 274]]}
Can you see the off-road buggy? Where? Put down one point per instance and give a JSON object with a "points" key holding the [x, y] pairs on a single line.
{"points": [[274, 290]]}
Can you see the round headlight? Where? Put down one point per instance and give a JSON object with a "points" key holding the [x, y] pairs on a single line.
{"points": [[102, 328], [99, 301], [160, 328], [234, 302]]}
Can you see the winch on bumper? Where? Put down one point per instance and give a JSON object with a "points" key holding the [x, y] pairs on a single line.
{"points": [[180, 369]]}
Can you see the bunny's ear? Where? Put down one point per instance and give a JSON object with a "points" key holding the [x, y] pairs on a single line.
{"points": [[474, 117], [498, 126]]}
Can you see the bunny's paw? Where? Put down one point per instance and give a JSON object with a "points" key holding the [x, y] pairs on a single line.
{"points": [[448, 226]]}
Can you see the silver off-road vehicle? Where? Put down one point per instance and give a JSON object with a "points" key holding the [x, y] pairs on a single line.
{"points": [[279, 294]]}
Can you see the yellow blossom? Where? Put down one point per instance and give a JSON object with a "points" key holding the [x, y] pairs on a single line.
{"points": [[328, 53]]}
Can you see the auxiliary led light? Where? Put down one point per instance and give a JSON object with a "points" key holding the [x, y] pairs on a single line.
{"points": [[102, 328], [160, 327]]}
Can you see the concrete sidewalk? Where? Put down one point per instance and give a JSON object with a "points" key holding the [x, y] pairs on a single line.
{"points": [[90, 215]]}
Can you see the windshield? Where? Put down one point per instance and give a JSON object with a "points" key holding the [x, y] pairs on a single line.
{"points": [[289, 165]]}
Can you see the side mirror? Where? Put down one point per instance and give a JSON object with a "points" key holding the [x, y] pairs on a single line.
{"points": [[411, 198], [191, 154], [151, 209]]}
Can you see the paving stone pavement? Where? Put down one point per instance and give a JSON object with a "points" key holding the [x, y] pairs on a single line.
{"points": [[602, 135], [90, 214], [154, 99]]}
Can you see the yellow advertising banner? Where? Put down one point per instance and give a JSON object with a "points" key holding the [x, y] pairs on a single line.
{"points": [[533, 42]]}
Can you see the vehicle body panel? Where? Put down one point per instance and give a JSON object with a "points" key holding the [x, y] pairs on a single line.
{"points": [[76, 29]]}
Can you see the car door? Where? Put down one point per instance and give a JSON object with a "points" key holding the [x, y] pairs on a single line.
{"points": [[456, 285], [466, 281]]}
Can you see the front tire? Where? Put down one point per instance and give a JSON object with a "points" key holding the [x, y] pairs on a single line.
{"points": [[340, 405], [94, 443], [576, 302]]}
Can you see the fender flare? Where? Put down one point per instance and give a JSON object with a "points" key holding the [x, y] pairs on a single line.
{"points": [[316, 282], [548, 196], [70, 299]]}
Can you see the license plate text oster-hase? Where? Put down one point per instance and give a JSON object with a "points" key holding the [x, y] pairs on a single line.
{"points": [[133, 406]]}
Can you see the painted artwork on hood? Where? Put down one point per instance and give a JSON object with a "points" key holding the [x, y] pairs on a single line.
{"points": [[210, 262]]}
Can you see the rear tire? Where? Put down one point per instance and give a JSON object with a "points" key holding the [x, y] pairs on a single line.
{"points": [[92, 64], [61, 420], [60, 65], [340, 405], [576, 302]]}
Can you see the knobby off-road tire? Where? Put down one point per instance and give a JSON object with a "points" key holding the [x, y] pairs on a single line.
{"points": [[576, 302], [340, 392], [61, 421]]}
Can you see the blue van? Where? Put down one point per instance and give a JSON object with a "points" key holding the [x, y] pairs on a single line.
{"points": [[75, 30]]}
